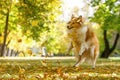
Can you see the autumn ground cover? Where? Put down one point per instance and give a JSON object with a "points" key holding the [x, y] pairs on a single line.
{"points": [[37, 69]]}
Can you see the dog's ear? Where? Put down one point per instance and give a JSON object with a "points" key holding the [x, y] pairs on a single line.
{"points": [[80, 19], [72, 17]]}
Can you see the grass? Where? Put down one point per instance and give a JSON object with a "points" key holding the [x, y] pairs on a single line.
{"points": [[106, 69]]}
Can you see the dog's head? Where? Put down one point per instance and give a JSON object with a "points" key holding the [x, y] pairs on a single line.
{"points": [[76, 22]]}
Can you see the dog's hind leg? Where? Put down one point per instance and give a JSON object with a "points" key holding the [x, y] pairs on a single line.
{"points": [[92, 51], [93, 56], [93, 63], [94, 60]]}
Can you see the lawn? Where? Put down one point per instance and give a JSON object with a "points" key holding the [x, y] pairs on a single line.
{"points": [[49, 69]]}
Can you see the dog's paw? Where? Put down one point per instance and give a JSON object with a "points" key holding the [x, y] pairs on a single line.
{"points": [[74, 65], [93, 67]]}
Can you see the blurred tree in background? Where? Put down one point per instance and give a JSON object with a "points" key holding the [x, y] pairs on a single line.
{"points": [[25, 24], [107, 15], [26, 20]]}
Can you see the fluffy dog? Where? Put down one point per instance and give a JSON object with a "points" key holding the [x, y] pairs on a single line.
{"points": [[83, 41]]}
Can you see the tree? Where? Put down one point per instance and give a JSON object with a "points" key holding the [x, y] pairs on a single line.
{"points": [[32, 16], [107, 15], [35, 16], [6, 24]]}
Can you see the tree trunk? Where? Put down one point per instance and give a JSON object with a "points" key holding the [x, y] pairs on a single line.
{"points": [[5, 34], [106, 42], [115, 42], [107, 51]]}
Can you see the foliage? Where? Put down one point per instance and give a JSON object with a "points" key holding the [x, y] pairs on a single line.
{"points": [[106, 69], [56, 41], [30, 20], [35, 16], [4, 6], [107, 15]]}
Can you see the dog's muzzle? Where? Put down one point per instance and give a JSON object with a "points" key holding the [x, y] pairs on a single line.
{"points": [[69, 27]]}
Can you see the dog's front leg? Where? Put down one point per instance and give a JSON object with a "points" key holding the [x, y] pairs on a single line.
{"points": [[69, 48], [80, 61], [83, 47], [78, 57]]}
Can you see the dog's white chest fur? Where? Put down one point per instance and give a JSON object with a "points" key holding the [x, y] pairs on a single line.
{"points": [[82, 33], [83, 29]]}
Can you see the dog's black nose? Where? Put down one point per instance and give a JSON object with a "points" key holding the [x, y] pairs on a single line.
{"points": [[68, 27]]}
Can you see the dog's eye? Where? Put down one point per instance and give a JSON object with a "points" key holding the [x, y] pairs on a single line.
{"points": [[68, 22]]}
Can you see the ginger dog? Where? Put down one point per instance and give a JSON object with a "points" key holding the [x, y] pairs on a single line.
{"points": [[83, 41]]}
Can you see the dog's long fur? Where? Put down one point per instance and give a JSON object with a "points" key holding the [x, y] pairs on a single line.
{"points": [[83, 41]]}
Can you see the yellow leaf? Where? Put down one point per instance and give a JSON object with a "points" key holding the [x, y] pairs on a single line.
{"points": [[58, 62], [34, 22], [43, 63], [21, 70]]}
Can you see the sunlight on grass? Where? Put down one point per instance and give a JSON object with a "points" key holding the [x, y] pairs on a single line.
{"points": [[35, 69], [114, 58], [67, 76]]}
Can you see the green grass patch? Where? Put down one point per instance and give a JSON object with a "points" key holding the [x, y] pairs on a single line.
{"points": [[106, 69]]}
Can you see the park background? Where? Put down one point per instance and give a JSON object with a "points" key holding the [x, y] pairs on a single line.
{"points": [[30, 27], [27, 26]]}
